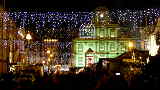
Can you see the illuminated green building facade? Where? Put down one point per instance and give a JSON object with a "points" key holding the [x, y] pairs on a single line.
{"points": [[100, 40]]}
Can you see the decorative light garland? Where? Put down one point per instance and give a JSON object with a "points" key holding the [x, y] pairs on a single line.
{"points": [[43, 23], [76, 18]]}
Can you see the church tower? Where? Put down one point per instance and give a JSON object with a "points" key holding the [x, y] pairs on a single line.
{"points": [[101, 17]]}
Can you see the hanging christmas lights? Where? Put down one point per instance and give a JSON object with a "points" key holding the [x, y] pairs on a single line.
{"points": [[54, 20]]}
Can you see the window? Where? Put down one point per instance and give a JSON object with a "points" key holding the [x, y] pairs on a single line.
{"points": [[101, 46], [101, 32], [80, 60], [123, 46], [112, 33], [107, 32], [90, 44], [80, 47], [112, 46]]}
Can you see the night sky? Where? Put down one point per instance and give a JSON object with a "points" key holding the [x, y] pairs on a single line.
{"points": [[81, 4]]}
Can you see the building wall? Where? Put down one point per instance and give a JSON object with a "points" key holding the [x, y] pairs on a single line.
{"points": [[101, 48], [109, 42], [105, 39], [8, 41]]}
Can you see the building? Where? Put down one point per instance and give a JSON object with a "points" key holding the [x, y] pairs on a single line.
{"points": [[101, 39], [49, 52], [11, 43]]}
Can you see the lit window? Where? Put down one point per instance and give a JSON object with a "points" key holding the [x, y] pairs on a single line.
{"points": [[101, 32], [80, 60], [80, 48], [112, 46], [102, 46], [112, 33]]}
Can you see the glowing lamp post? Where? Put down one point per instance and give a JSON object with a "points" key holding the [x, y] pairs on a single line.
{"points": [[49, 59], [130, 45], [28, 38]]}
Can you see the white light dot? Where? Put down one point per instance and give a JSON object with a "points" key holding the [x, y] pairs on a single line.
{"points": [[101, 15]]}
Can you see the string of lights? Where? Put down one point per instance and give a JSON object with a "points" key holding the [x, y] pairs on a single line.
{"points": [[54, 18], [48, 22], [58, 18], [136, 17]]}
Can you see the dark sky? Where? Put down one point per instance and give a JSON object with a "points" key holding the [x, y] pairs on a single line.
{"points": [[88, 4]]}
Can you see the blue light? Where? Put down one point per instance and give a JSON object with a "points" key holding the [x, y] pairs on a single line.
{"points": [[75, 19]]}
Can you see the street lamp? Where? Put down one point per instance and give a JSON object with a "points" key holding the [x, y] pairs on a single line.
{"points": [[51, 55], [130, 45], [28, 38], [48, 55]]}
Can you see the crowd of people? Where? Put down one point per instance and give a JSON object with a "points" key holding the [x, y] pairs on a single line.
{"points": [[86, 80]]}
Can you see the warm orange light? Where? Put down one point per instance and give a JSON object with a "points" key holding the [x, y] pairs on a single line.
{"points": [[51, 55], [49, 59], [48, 51], [50, 40], [43, 62], [28, 37], [21, 34], [130, 45], [101, 15]]}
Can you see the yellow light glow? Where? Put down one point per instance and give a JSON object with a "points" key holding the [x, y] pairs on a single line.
{"points": [[80, 70], [43, 62], [28, 37], [130, 45], [51, 55], [21, 34], [57, 66], [148, 60], [152, 46], [49, 59], [10, 57], [101, 15], [48, 51], [50, 40]]}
